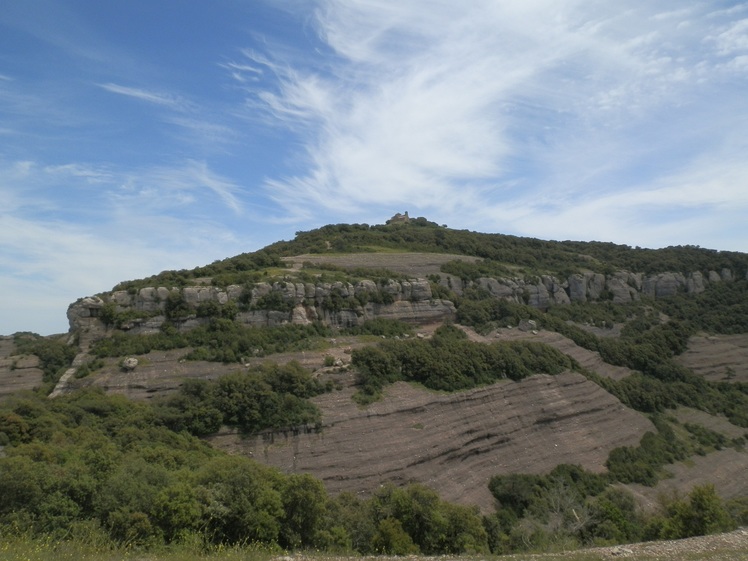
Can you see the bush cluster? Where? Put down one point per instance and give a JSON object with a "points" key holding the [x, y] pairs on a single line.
{"points": [[648, 348], [450, 362], [570, 507], [270, 396], [55, 355]]}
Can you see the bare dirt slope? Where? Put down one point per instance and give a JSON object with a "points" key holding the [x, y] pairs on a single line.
{"points": [[717, 423], [162, 372], [17, 372], [413, 264], [718, 357], [453, 443], [726, 469]]}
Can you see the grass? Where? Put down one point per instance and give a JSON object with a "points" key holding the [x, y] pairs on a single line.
{"points": [[40, 549], [99, 548]]}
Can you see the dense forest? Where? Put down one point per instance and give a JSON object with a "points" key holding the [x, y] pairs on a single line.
{"points": [[94, 467]]}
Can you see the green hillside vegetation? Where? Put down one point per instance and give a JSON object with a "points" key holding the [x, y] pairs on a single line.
{"points": [[646, 345], [55, 355], [102, 469], [502, 255], [270, 396], [221, 340], [531, 254], [89, 468]]}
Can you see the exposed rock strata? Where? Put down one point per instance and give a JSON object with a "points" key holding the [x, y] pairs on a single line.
{"points": [[17, 372], [453, 443], [718, 358], [620, 287], [344, 304], [338, 304]]}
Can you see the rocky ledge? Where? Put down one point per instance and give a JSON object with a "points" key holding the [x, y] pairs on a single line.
{"points": [[343, 304], [337, 304]]}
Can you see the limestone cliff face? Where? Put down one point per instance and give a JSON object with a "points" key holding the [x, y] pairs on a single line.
{"points": [[337, 304], [342, 304], [620, 287]]}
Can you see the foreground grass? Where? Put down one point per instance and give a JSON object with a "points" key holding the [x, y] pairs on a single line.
{"points": [[48, 550], [732, 546]]}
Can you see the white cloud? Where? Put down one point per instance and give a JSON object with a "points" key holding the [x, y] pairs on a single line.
{"points": [[159, 98], [161, 187], [733, 38], [46, 265], [504, 110]]}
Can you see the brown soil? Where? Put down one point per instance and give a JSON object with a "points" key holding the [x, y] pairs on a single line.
{"points": [[413, 264], [453, 443], [17, 372], [718, 357]]}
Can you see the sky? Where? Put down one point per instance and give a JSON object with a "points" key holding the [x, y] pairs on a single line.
{"points": [[148, 135]]}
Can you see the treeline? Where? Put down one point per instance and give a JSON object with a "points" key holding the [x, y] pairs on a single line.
{"points": [[103, 469], [533, 254], [450, 362], [225, 340], [722, 308], [233, 270]]}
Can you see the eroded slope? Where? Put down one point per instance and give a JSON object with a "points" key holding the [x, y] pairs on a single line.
{"points": [[718, 357], [455, 442]]}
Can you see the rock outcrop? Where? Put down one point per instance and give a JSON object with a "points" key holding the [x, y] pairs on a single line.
{"points": [[620, 287], [342, 304], [337, 304], [17, 372]]}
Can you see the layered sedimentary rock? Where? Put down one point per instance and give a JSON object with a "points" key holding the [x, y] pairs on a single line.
{"points": [[343, 304], [620, 287], [17, 372], [266, 305], [455, 442]]}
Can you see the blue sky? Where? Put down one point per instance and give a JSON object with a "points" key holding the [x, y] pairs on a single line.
{"points": [[147, 135]]}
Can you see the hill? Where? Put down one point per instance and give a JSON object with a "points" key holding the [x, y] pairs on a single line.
{"points": [[549, 385]]}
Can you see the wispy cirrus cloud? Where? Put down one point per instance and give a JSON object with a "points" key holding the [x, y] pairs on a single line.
{"points": [[464, 112], [189, 184], [159, 98]]}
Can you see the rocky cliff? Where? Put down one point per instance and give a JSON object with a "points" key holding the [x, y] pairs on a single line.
{"points": [[620, 287], [342, 304], [337, 304]]}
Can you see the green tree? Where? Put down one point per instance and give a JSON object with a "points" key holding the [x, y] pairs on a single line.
{"points": [[242, 501], [305, 506], [391, 539], [700, 514]]}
